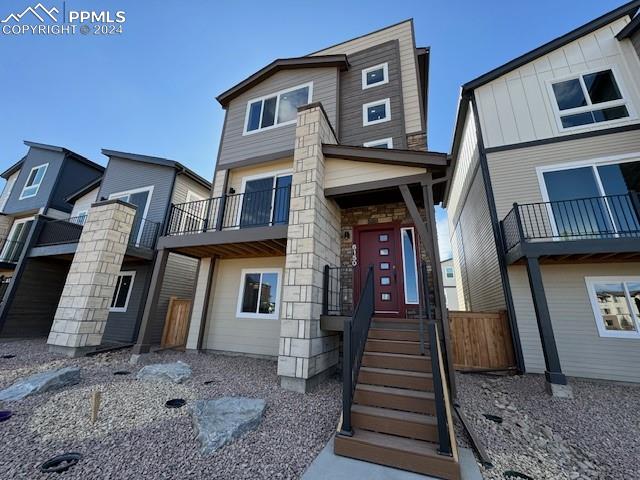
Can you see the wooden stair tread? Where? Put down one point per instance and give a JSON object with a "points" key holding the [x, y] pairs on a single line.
{"points": [[394, 414], [419, 447], [396, 355], [391, 371], [395, 342], [396, 391]]}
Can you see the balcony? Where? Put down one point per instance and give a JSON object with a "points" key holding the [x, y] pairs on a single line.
{"points": [[10, 251], [239, 225], [606, 227]]}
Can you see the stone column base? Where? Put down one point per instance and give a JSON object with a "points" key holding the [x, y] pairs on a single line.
{"points": [[72, 352], [559, 391], [305, 385]]}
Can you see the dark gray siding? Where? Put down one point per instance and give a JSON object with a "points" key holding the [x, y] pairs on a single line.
{"points": [[73, 177], [635, 40], [122, 174], [353, 97], [35, 157], [123, 326], [36, 298]]}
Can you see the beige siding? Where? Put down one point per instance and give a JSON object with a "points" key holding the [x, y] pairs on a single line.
{"points": [[583, 353], [339, 172], [185, 184], [513, 172], [224, 331], [236, 146], [218, 183], [402, 32], [199, 297], [84, 202], [519, 107], [237, 174], [466, 164]]}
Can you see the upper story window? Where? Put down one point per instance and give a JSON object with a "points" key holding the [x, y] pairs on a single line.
{"points": [[589, 98], [376, 112], [382, 143], [372, 76], [448, 271], [34, 180], [275, 110]]}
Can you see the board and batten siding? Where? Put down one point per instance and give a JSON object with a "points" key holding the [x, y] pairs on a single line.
{"points": [[352, 97], [235, 146], [513, 172], [185, 184], [583, 353], [223, 330], [403, 33], [83, 203], [519, 107], [339, 172]]}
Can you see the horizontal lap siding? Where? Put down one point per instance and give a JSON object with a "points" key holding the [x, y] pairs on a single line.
{"points": [[237, 174], [83, 203], [583, 353], [183, 185], [224, 331], [236, 146], [74, 175], [348, 172]]}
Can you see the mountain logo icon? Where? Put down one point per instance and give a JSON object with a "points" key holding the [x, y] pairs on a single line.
{"points": [[39, 11]]}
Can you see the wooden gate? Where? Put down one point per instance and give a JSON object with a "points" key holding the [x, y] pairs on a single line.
{"points": [[176, 323], [481, 341]]}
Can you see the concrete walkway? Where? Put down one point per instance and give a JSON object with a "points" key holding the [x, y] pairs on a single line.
{"points": [[328, 466]]}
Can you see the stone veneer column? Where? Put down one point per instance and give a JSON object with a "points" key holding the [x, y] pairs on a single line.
{"points": [[5, 225], [307, 353], [82, 312]]}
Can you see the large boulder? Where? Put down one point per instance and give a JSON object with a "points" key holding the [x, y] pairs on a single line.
{"points": [[218, 422], [176, 372], [41, 382]]}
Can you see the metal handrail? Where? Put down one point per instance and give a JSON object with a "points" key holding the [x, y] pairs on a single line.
{"points": [[144, 233], [356, 331], [239, 210], [338, 285], [10, 250]]}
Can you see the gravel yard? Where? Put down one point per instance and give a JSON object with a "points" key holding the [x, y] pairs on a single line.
{"points": [[596, 435], [137, 437]]}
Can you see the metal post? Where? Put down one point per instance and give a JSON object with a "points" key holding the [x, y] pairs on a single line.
{"points": [[347, 382], [444, 447], [221, 206], [516, 211], [325, 291]]}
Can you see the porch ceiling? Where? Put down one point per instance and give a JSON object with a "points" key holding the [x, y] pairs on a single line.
{"points": [[265, 248]]}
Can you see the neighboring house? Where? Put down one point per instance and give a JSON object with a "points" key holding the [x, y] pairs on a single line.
{"points": [[449, 284], [322, 172], [543, 203], [39, 301]]}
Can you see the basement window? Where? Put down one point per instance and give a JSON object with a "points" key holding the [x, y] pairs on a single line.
{"points": [[259, 293], [616, 305], [376, 112], [122, 293], [277, 109]]}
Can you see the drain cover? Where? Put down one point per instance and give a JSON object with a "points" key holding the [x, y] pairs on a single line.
{"points": [[60, 463], [8, 356], [209, 382], [493, 418], [512, 474], [5, 415], [121, 372], [175, 403]]}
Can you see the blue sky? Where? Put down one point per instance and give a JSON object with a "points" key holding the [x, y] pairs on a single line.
{"points": [[152, 89]]}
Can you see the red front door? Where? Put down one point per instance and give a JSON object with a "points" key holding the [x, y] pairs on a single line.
{"points": [[379, 246]]}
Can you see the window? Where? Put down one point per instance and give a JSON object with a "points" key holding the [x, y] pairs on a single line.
{"points": [[276, 110], [34, 180], [384, 252], [589, 98], [121, 294], [616, 305], [265, 200], [382, 143], [410, 264], [448, 271], [259, 293], [373, 76], [12, 248], [376, 112]]}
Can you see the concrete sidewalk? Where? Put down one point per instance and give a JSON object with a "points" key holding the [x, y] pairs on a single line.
{"points": [[328, 466]]}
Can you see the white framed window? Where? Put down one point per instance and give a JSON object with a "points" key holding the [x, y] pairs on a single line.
{"points": [[265, 199], [589, 98], [34, 180], [616, 305], [376, 75], [276, 109], [448, 272], [141, 198], [410, 266], [12, 248], [376, 112], [259, 293], [382, 143], [122, 293]]}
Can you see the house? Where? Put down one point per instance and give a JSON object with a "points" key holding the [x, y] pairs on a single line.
{"points": [[321, 216], [449, 284], [542, 204], [47, 292]]}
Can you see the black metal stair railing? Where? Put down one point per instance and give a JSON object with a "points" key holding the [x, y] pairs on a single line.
{"points": [[356, 331], [338, 291]]}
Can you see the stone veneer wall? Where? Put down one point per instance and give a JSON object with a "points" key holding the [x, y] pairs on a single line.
{"points": [[307, 353], [417, 141], [83, 309], [6, 222]]}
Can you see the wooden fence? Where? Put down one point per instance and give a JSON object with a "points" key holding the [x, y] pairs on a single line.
{"points": [[176, 324], [481, 341]]}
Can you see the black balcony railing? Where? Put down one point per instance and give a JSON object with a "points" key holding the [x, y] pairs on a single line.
{"points": [[338, 291], [612, 216], [4, 285], [57, 232], [241, 210], [144, 233], [10, 250]]}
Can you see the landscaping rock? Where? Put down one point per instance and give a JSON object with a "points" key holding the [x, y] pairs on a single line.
{"points": [[176, 372], [218, 422], [41, 382]]}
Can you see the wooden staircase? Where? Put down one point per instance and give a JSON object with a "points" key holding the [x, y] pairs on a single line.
{"points": [[394, 413]]}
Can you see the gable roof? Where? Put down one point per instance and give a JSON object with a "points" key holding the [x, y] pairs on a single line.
{"points": [[165, 162], [251, 81], [84, 190], [66, 151], [13, 168], [629, 8]]}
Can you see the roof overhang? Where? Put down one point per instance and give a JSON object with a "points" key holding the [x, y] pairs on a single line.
{"points": [[632, 27], [66, 151], [84, 190], [13, 168], [392, 156], [322, 61]]}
